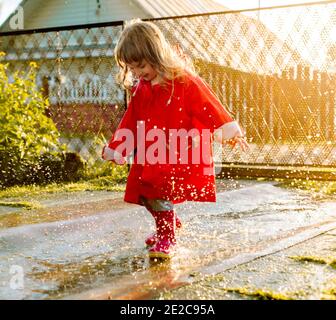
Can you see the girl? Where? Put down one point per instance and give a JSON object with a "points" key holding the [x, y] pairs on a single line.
{"points": [[170, 122]]}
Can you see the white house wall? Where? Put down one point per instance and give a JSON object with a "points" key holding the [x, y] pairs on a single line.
{"points": [[55, 13]]}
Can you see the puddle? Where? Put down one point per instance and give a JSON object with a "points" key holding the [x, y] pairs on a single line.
{"points": [[63, 207]]}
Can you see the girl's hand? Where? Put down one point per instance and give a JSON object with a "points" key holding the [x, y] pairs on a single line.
{"points": [[241, 141], [112, 155]]}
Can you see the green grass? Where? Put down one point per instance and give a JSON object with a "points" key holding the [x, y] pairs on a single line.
{"points": [[330, 294], [326, 261], [259, 294], [324, 187], [96, 184], [314, 186], [22, 204]]}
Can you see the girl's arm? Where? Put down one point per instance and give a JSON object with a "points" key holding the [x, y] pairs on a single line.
{"points": [[122, 142], [231, 133], [112, 155], [206, 107]]}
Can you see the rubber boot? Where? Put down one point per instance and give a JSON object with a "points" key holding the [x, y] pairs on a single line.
{"points": [[152, 238], [165, 230]]}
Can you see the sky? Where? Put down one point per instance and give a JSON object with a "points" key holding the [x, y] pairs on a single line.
{"points": [[6, 8]]}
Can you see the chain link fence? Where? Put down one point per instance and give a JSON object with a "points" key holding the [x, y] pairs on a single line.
{"points": [[76, 70], [274, 69]]}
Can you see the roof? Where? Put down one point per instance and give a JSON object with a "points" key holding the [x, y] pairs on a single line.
{"points": [[53, 13], [163, 8], [234, 40]]}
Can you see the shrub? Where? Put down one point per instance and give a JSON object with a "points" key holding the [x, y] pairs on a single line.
{"points": [[29, 147]]}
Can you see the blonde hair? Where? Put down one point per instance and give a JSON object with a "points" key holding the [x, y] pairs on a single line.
{"points": [[142, 40]]}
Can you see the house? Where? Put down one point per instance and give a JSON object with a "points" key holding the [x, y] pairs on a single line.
{"points": [[76, 64], [77, 68], [234, 40]]}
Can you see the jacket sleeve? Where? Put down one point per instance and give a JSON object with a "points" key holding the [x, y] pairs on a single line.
{"points": [[208, 110], [122, 142]]}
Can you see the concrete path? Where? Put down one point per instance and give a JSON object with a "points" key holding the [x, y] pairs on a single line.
{"points": [[99, 251]]}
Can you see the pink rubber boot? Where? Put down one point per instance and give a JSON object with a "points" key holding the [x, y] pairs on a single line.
{"points": [[165, 229], [151, 239]]}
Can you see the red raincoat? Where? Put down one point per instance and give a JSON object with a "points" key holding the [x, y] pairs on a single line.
{"points": [[192, 105]]}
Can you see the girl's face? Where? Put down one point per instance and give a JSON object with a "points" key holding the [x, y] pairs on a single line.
{"points": [[142, 70]]}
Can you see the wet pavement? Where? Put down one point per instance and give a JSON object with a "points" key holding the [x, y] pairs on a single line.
{"points": [[91, 245], [306, 271]]}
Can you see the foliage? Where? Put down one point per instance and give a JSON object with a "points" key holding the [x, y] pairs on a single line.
{"points": [[28, 137]]}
